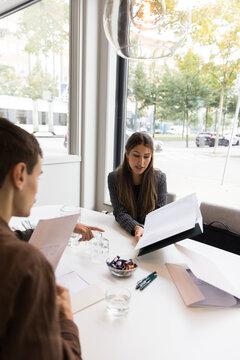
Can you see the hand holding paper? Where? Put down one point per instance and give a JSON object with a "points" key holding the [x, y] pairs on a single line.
{"points": [[51, 237]]}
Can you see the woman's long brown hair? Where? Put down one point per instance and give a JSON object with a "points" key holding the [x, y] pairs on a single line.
{"points": [[147, 194]]}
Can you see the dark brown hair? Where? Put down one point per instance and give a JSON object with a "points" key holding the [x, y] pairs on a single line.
{"points": [[16, 145], [147, 194]]}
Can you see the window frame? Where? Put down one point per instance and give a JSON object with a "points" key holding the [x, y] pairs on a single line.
{"points": [[120, 113], [16, 6]]}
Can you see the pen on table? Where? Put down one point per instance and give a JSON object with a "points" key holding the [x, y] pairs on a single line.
{"points": [[140, 282], [142, 286], [144, 279]]}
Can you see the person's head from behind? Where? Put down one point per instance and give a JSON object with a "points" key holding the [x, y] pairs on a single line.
{"points": [[20, 166], [138, 156]]}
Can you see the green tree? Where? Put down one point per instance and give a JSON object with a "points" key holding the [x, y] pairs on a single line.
{"points": [[7, 80], [37, 83], [216, 27], [45, 26], [137, 87], [153, 93], [210, 95], [230, 106], [183, 89]]}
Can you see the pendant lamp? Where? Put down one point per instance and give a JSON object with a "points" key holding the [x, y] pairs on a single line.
{"points": [[150, 29]]}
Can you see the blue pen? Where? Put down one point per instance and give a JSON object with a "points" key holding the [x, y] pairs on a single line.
{"points": [[142, 286]]}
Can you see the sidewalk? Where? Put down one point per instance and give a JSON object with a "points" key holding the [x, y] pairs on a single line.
{"points": [[201, 170]]}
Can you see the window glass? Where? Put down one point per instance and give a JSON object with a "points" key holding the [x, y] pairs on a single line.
{"points": [[34, 72], [188, 101]]}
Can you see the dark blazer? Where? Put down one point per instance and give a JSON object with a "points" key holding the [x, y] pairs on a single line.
{"points": [[120, 212]]}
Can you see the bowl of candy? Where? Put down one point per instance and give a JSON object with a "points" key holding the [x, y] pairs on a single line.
{"points": [[120, 267]]}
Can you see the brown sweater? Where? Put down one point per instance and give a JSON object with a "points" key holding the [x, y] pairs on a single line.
{"points": [[30, 328]]}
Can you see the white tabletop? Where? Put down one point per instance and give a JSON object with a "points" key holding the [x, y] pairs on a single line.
{"points": [[158, 324]]}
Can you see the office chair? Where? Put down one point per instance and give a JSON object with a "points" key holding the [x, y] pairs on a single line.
{"points": [[227, 215], [221, 227], [171, 197]]}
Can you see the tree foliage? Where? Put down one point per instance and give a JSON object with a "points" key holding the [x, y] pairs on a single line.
{"points": [[45, 26], [38, 84], [183, 89], [7, 80], [216, 27]]}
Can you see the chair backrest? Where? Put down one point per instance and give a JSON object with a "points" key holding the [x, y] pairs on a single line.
{"points": [[171, 197], [228, 215]]}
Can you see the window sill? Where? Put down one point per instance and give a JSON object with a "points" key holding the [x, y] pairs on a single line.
{"points": [[50, 160]]}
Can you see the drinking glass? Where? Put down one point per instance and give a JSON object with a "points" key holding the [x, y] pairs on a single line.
{"points": [[71, 210], [118, 299], [99, 248]]}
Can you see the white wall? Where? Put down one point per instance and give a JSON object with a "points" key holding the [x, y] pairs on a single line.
{"points": [[59, 183]]}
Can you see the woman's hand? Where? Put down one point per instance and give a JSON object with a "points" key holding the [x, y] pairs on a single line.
{"points": [[86, 231], [138, 232]]}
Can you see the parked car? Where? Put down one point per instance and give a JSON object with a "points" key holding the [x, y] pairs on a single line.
{"points": [[235, 140], [222, 141], [207, 138], [158, 144]]}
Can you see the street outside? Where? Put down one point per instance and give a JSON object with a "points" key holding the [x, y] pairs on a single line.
{"points": [[201, 170], [188, 170]]}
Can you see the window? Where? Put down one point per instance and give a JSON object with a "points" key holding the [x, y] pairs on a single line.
{"points": [[194, 91], [34, 72]]}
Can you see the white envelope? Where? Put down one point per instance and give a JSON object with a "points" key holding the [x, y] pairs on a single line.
{"points": [[201, 282]]}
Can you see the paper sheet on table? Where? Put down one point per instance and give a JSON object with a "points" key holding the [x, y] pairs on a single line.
{"points": [[171, 219], [82, 293], [51, 236]]}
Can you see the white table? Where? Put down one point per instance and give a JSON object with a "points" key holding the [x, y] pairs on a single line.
{"points": [[158, 324]]}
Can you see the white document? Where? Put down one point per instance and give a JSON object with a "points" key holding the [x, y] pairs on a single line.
{"points": [[51, 236], [73, 282], [171, 219], [82, 293]]}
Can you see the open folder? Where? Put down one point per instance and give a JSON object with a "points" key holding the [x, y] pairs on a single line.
{"points": [[176, 221], [201, 283]]}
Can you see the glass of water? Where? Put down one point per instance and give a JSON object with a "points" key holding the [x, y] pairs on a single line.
{"points": [[99, 247], [118, 299], [71, 210]]}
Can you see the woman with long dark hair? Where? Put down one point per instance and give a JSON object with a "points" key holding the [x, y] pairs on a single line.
{"points": [[135, 187]]}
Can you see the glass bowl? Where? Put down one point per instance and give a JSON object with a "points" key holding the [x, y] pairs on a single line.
{"points": [[121, 272]]}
